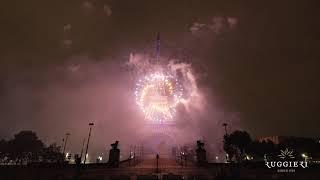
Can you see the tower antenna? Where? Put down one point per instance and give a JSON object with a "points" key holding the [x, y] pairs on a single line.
{"points": [[158, 48]]}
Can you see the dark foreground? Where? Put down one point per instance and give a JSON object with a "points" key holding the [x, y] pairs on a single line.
{"points": [[146, 172]]}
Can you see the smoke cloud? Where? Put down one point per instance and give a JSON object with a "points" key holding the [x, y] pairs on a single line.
{"points": [[216, 25], [55, 99], [199, 116]]}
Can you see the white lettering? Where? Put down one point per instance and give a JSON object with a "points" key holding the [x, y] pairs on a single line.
{"points": [[267, 164], [303, 164], [279, 164], [285, 164]]}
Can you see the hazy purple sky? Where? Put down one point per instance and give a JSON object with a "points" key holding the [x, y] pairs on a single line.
{"points": [[63, 64]]}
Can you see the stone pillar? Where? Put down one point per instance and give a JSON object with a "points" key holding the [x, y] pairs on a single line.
{"points": [[201, 154], [114, 155]]}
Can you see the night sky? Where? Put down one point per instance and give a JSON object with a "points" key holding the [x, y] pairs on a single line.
{"points": [[259, 58]]}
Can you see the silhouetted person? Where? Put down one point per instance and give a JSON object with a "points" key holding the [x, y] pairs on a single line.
{"points": [[77, 159], [114, 155], [157, 157]]}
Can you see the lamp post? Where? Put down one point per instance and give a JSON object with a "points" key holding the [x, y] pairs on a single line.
{"points": [[82, 149], [225, 128], [65, 143], [304, 156], [85, 155]]}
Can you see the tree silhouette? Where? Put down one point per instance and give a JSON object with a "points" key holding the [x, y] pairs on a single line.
{"points": [[237, 143], [52, 153], [229, 148], [3, 151], [25, 147]]}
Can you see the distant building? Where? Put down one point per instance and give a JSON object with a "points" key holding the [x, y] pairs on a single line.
{"points": [[274, 139], [282, 139]]}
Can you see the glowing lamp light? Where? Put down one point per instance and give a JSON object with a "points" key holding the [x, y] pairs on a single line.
{"points": [[100, 158]]}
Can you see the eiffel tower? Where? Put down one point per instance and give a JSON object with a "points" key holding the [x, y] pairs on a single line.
{"points": [[161, 133]]}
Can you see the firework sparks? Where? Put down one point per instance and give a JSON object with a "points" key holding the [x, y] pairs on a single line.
{"points": [[157, 95]]}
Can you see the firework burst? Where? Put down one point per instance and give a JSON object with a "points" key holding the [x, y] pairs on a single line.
{"points": [[157, 95]]}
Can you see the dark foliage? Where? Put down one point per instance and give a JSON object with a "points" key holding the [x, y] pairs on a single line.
{"points": [[239, 143], [25, 148]]}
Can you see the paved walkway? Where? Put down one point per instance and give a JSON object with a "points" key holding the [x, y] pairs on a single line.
{"points": [[165, 161], [166, 165]]}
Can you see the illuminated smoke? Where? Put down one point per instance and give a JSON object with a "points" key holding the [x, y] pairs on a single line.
{"points": [[215, 26], [193, 97], [157, 95], [199, 115]]}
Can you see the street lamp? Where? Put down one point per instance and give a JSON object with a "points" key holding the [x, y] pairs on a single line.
{"points": [[304, 156], [85, 157], [82, 149], [65, 143]]}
